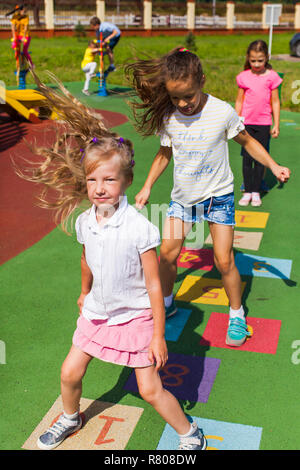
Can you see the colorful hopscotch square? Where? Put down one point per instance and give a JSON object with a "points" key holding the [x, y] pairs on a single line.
{"points": [[263, 267], [176, 323], [106, 426], [249, 219], [187, 377], [264, 334], [197, 259], [219, 435], [203, 290], [244, 240]]}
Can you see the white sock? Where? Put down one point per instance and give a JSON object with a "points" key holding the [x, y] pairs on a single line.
{"points": [[168, 300], [189, 433], [237, 313], [72, 417]]}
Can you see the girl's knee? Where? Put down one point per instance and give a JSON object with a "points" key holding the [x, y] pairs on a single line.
{"points": [[225, 263], [70, 374], [149, 393], [168, 255]]}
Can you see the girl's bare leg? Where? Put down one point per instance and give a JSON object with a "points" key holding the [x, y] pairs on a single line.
{"points": [[152, 391], [72, 372], [174, 233], [222, 236]]}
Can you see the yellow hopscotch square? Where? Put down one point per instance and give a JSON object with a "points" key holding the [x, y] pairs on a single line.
{"points": [[251, 219], [203, 290], [106, 426]]}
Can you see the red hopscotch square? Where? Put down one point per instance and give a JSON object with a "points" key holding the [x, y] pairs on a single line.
{"points": [[198, 259], [264, 339]]}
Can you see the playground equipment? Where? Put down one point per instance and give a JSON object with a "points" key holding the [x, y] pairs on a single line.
{"points": [[21, 71], [102, 74], [28, 103], [102, 91]]}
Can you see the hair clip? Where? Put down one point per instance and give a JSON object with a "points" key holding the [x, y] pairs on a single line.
{"points": [[183, 49], [94, 139], [132, 163], [120, 141]]}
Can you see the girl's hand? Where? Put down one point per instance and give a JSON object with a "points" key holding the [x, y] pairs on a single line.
{"points": [[275, 132], [80, 302], [158, 352], [282, 173], [142, 198]]}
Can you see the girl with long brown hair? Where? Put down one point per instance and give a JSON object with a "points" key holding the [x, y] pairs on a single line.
{"points": [[194, 128]]}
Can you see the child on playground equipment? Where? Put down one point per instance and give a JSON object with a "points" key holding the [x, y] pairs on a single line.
{"points": [[121, 317], [194, 127], [111, 36], [88, 65], [20, 33], [257, 100]]}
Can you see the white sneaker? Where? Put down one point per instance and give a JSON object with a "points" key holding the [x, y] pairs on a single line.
{"points": [[86, 92], [196, 441], [245, 199], [256, 201], [57, 433]]}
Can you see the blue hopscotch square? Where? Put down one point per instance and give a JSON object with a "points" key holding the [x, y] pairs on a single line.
{"points": [[176, 323], [219, 435], [263, 267]]}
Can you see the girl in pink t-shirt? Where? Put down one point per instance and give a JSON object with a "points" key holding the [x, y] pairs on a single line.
{"points": [[257, 101]]}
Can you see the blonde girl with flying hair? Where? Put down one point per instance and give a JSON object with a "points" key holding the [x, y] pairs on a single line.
{"points": [[121, 311]]}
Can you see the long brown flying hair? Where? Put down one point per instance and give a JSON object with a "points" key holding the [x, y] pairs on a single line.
{"points": [[148, 78]]}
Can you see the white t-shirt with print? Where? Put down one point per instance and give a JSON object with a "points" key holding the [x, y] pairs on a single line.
{"points": [[200, 151], [113, 254]]}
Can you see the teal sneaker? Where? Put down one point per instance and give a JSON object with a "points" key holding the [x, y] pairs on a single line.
{"points": [[237, 332], [170, 311]]}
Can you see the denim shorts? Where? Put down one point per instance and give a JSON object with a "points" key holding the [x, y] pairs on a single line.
{"points": [[219, 210]]}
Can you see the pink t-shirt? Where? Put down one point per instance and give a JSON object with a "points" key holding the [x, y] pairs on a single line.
{"points": [[257, 98]]}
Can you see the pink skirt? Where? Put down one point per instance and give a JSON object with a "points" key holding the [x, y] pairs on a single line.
{"points": [[126, 344]]}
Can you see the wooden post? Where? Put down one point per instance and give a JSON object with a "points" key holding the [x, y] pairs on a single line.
{"points": [[297, 16], [100, 9], [264, 13], [148, 14], [49, 14], [230, 15], [190, 14]]}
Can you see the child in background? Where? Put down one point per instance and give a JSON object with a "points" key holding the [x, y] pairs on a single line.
{"points": [[88, 65], [194, 127], [257, 100], [122, 316], [21, 32], [111, 36]]}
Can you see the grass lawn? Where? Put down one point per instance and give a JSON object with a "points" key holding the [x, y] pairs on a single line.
{"points": [[222, 58]]}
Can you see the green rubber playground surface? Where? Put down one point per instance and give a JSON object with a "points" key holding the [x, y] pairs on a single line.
{"points": [[251, 399]]}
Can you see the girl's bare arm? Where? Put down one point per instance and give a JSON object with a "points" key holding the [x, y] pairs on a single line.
{"points": [[160, 163]]}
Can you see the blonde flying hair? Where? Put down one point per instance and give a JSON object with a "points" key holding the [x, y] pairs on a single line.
{"points": [[148, 78], [83, 142]]}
